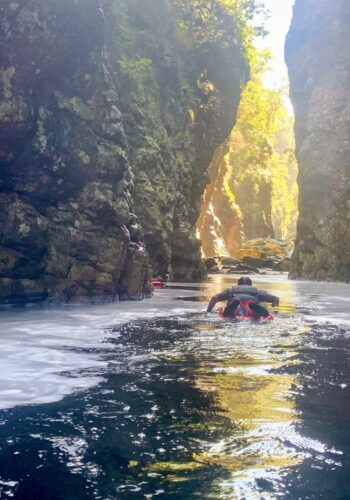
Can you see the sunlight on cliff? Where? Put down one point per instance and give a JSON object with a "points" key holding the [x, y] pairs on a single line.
{"points": [[253, 190]]}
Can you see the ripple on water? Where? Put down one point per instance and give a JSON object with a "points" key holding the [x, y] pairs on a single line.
{"points": [[190, 406]]}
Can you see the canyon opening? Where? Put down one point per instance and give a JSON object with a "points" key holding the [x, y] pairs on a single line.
{"points": [[250, 207]]}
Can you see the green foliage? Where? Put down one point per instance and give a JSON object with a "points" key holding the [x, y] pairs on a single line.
{"points": [[227, 184], [123, 34], [263, 168], [244, 12], [138, 69], [284, 174], [219, 22], [180, 158]]}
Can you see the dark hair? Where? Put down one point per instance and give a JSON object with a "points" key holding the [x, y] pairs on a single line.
{"points": [[245, 280]]}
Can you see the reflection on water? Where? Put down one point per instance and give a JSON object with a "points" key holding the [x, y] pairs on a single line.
{"points": [[192, 406], [258, 400]]}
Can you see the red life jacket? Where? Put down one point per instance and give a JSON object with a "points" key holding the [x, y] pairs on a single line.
{"points": [[243, 310]]}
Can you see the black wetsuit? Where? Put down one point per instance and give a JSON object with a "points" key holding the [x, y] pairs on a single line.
{"points": [[232, 296]]}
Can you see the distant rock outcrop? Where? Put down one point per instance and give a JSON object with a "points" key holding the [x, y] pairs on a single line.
{"points": [[318, 58]]}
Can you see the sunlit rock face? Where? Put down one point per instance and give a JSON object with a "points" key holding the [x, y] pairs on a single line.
{"points": [[318, 58], [220, 224], [234, 208], [104, 112]]}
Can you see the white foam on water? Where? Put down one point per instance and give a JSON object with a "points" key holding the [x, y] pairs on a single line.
{"points": [[49, 353]]}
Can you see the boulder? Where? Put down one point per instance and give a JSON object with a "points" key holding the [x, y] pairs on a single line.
{"points": [[229, 261], [286, 265], [211, 264], [248, 252], [243, 269], [135, 274], [265, 253]]}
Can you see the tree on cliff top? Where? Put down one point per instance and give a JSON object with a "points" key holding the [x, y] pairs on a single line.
{"points": [[217, 21]]}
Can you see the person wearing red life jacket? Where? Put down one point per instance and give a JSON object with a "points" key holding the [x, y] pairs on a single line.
{"points": [[244, 300]]}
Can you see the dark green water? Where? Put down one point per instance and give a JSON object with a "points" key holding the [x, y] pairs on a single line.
{"points": [[192, 407]]}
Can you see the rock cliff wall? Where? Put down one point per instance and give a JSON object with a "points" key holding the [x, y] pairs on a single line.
{"points": [[106, 108], [317, 54], [220, 222], [176, 112]]}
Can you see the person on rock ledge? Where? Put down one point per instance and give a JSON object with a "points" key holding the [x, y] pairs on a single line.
{"points": [[244, 299]]}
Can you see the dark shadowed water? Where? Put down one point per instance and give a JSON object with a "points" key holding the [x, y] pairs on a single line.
{"points": [[99, 406]]}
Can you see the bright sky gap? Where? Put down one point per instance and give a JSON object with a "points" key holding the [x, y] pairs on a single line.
{"points": [[277, 25]]}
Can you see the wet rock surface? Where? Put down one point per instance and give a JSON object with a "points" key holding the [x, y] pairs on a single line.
{"points": [[176, 111], [267, 253], [317, 53]]}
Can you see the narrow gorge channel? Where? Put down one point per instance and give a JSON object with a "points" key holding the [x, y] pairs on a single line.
{"points": [[250, 207]]}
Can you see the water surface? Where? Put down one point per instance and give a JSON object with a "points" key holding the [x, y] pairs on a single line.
{"points": [[158, 399]]}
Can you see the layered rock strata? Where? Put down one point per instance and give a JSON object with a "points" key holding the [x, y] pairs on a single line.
{"points": [[104, 111], [317, 54]]}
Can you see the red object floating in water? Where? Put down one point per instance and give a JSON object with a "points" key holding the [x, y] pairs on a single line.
{"points": [[158, 283]]}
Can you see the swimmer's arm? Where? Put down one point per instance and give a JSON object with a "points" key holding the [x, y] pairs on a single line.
{"points": [[218, 298], [266, 297]]}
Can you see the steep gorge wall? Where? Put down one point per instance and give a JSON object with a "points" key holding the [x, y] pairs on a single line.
{"points": [[195, 79], [220, 221], [318, 58], [91, 131]]}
